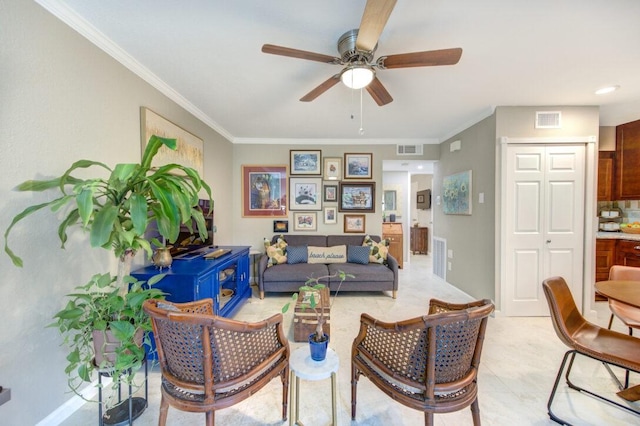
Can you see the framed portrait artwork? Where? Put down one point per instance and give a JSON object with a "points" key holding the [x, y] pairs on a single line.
{"points": [[280, 226], [330, 215], [357, 166], [331, 193], [332, 168], [354, 223], [305, 221], [305, 162], [305, 193], [264, 191], [357, 197]]}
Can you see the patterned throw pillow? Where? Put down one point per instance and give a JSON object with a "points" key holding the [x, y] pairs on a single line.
{"points": [[358, 254], [296, 254], [333, 254], [378, 251], [276, 252]]}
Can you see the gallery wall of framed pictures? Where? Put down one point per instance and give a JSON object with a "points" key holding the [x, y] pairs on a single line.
{"points": [[334, 186]]}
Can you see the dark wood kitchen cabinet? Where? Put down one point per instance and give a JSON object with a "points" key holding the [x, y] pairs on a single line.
{"points": [[606, 160], [628, 253], [605, 258], [627, 163], [419, 240]]}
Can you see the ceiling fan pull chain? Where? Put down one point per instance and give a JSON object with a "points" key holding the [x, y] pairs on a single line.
{"points": [[361, 128]]}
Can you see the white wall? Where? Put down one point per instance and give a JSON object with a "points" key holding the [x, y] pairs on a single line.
{"points": [[63, 99]]}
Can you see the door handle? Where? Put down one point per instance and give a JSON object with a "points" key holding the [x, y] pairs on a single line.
{"points": [[548, 241]]}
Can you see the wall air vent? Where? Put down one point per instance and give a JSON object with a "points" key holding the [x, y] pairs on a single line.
{"points": [[409, 150], [548, 119]]}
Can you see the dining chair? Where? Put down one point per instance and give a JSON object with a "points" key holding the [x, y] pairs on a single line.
{"points": [[587, 339], [629, 315], [429, 363], [210, 362]]}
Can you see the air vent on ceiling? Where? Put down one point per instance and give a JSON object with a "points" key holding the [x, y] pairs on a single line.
{"points": [[548, 119], [408, 149]]}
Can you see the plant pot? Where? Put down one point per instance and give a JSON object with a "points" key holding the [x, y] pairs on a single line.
{"points": [[105, 345], [162, 258], [318, 349]]}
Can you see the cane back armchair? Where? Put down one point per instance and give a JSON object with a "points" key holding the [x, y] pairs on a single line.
{"points": [[428, 363], [209, 362]]}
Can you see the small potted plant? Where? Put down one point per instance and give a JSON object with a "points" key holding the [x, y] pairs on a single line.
{"points": [[104, 329], [318, 340]]}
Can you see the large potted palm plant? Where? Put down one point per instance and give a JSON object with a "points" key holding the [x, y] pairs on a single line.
{"points": [[116, 212]]}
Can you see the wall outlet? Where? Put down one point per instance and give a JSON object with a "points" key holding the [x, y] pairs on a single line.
{"points": [[448, 266]]}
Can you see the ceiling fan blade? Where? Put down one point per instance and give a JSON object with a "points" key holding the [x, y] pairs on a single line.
{"points": [[323, 87], [300, 54], [375, 16], [379, 93], [428, 58]]}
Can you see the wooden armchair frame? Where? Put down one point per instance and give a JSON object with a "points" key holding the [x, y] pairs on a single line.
{"points": [[428, 363], [210, 362]]}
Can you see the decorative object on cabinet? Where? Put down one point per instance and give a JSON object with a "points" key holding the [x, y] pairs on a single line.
{"points": [[332, 168], [189, 148], [330, 215], [627, 164], [457, 193], [392, 231], [357, 197], [118, 211], [305, 221], [264, 191], [358, 166], [304, 193], [354, 223], [331, 193], [419, 240], [305, 162], [280, 226]]}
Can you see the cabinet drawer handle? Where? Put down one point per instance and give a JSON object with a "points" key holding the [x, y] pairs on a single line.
{"points": [[636, 248]]}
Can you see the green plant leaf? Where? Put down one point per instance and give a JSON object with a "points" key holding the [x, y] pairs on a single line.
{"points": [[155, 142], [123, 172], [139, 212], [85, 204], [103, 225], [26, 212]]}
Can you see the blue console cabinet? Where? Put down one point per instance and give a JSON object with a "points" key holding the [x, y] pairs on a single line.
{"points": [[200, 278]]}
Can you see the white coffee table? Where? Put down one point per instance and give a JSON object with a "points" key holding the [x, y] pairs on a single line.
{"points": [[303, 367]]}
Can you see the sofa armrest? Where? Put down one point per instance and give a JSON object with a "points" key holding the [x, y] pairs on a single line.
{"points": [[392, 263], [262, 266]]}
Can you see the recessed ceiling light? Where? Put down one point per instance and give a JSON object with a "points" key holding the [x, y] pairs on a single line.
{"points": [[608, 89]]}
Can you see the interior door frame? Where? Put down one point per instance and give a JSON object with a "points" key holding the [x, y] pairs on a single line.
{"points": [[584, 298]]}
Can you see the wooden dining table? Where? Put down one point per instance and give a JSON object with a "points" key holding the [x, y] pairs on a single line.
{"points": [[623, 291], [626, 292]]}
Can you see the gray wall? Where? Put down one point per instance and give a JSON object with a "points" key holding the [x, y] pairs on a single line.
{"points": [[471, 238], [64, 99]]}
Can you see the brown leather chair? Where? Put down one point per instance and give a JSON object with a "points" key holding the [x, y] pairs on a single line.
{"points": [[209, 362], [628, 314], [585, 338], [429, 363]]}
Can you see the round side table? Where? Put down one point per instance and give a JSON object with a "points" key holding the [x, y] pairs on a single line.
{"points": [[303, 367]]}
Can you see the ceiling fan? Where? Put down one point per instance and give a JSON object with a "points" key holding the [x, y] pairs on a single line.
{"points": [[357, 48]]}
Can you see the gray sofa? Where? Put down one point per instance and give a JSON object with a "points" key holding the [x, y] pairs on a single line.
{"points": [[289, 277]]}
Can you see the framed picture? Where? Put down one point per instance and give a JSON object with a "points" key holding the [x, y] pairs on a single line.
{"points": [[304, 221], [305, 162], [354, 223], [457, 193], [305, 193], [332, 168], [280, 226], [357, 197], [330, 215], [264, 191], [189, 151], [331, 193], [357, 166]]}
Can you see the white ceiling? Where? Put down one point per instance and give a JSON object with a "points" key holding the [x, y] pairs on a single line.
{"points": [[206, 55]]}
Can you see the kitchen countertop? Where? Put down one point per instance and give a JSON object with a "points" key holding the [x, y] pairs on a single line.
{"points": [[617, 236]]}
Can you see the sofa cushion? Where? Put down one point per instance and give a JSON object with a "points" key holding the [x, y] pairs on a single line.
{"points": [[296, 254], [378, 251], [335, 254], [370, 273], [276, 252], [299, 272], [358, 254]]}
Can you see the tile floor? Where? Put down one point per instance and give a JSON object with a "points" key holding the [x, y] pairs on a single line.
{"points": [[519, 363]]}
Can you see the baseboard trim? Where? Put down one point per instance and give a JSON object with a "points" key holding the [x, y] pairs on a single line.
{"points": [[73, 404]]}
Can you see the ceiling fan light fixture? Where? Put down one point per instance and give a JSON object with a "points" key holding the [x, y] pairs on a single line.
{"points": [[357, 76]]}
